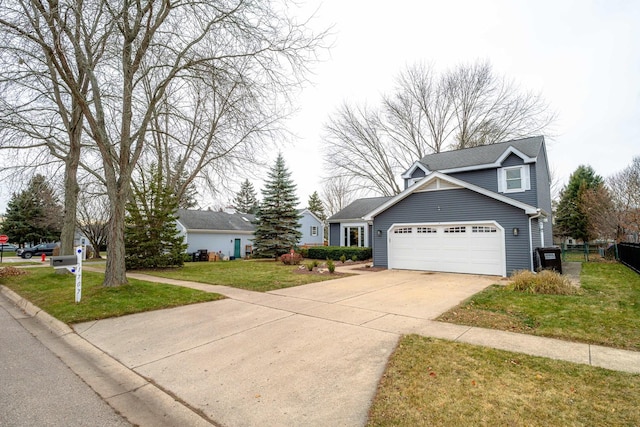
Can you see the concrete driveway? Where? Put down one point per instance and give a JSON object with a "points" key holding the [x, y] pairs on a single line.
{"points": [[305, 356]]}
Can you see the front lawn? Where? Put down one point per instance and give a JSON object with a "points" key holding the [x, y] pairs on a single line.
{"points": [[607, 312], [253, 275], [55, 294], [431, 382]]}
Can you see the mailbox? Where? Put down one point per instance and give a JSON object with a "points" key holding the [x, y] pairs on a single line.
{"points": [[64, 261]]}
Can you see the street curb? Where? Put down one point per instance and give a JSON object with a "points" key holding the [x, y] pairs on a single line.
{"points": [[131, 395], [54, 325]]}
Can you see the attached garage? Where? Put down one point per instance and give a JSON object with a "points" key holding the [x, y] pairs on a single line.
{"points": [[468, 247]]}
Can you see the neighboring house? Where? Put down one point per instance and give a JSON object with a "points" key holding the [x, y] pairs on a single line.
{"points": [[479, 210], [312, 229], [233, 233], [229, 233]]}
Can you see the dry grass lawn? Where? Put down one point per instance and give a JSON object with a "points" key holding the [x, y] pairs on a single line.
{"points": [[431, 382]]}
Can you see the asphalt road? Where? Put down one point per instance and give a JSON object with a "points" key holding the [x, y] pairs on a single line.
{"points": [[37, 389]]}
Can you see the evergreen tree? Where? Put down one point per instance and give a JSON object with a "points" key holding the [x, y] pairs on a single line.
{"points": [[151, 234], [277, 226], [315, 205], [34, 215], [571, 215], [246, 201]]}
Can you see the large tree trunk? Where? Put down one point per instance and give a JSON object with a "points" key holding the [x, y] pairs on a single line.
{"points": [[115, 273], [71, 188]]}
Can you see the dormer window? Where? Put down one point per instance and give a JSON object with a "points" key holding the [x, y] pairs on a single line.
{"points": [[513, 179]]}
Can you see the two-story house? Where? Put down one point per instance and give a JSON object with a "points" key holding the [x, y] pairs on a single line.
{"points": [[479, 210]]}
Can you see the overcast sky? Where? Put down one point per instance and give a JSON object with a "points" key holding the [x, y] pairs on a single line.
{"points": [[583, 56]]}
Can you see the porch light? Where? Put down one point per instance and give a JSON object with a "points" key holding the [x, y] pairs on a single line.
{"points": [[379, 233], [516, 231]]}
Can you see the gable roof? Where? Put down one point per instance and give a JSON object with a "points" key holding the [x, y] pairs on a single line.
{"points": [[358, 208], [306, 210], [219, 221], [481, 157], [439, 181]]}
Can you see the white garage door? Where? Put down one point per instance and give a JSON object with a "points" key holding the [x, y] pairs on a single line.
{"points": [[458, 248]]}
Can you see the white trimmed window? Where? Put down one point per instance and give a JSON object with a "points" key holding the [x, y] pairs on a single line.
{"points": [[514, 179], [314, 230]]}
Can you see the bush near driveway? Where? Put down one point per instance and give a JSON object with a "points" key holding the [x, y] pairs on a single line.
{"points": [[430, 382], [335, 252], [606, 312]]}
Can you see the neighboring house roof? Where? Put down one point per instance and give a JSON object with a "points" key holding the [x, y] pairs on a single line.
{"points": [[359, 208], [484, 156], [436, 181], [218, 221]]}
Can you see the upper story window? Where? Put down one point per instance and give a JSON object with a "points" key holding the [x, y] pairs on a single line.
{"points": [[513, 179], [314, 230]]}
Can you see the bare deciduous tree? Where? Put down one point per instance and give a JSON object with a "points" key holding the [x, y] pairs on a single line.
{"points": [[337, 193], [624, 187], [132, 52], [429, 113]]}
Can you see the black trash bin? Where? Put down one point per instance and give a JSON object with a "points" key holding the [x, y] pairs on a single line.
{"points": [[549, 259], [203, 255]]}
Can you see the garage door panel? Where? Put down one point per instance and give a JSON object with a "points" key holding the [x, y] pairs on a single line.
{"points": [[464, 248]]}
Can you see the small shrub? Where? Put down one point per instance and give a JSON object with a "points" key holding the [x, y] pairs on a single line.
{"points": [[331, 266], [343, 258], [289, 259], [304, 251], [545, 282], [354, 258], [315, 263], [310, 266]]}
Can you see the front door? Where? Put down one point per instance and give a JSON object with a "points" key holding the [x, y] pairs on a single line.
{"points": [[236, 249]]}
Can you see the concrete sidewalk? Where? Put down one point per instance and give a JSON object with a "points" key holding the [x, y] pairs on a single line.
{"points": [[309, 355]]}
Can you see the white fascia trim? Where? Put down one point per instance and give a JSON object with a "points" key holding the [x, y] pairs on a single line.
{"points": [[497, 164], [302, 212], [413, 168], [528, 209], [204, 231]]}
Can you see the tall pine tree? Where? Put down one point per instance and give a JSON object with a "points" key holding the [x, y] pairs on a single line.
{"points": [[246, 201], [315, 205], [151, 234], [571, 215], [33, 215], [277, 221]]}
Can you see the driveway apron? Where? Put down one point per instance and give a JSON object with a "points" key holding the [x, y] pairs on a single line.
{"points": [[305, 356]]}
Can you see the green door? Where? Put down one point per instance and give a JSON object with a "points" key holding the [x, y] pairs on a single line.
{"points": [[236, 249]]}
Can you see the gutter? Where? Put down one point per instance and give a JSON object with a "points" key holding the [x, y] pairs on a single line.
{"points": [[539, 214]]}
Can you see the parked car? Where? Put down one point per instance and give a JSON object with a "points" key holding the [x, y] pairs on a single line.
{"points": [[44, 248], [8, 247]]}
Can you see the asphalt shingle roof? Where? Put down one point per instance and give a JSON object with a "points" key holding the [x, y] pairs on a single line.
{"points": [[485, 154], [359, 208], [210, 220]]}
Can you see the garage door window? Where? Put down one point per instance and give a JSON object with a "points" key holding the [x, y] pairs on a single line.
{"points": [[455, 230], [427, 230], [483, 229], [403, 230]]}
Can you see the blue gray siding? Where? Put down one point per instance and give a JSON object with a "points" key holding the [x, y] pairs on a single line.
{"points": [[488, 178], [453, 206], [334, 234]]}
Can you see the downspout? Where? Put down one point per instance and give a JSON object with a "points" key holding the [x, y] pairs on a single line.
{"points": [[537, 215]]}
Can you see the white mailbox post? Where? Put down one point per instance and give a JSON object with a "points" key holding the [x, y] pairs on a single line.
{"points": [[73, 263]]}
